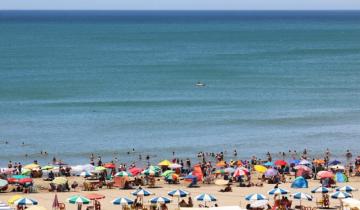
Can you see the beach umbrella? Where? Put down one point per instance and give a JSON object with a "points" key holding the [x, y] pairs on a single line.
{"points": [[25, 180], [78, 199], [95, 196], [269, 164], [304, 162], [175, 166], [4, 206], [302, 196], [340, 195], [295, 162], [32, 166], [340, 177], [36, 208], [56, 204], [220, 171], [255, 197], [259, 204], [278, 191], [280, 163], [319, 161], [25, 202], [302, 167], [346, 189], [221, 164], [325, 174], [141, 192], [241, 171], [85, 174], [123, 174], [3, 183], [160, 200], [334, 162], [122, 201], [60, 180], [320, 190], [164, 163], [47, 167], [155, 168], [150, 172], [205, 197], [100, 168], [135, 171], [167, 173], [260, 168], [271, 172], [109, 165], [26, 171], [178, 193]]}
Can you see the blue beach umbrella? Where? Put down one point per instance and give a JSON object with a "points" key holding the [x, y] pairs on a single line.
{"points": [[205, 197], [25, 202], [320, 190], [340, 177], [334, 162], [160, 200], [141, 192], [346, 189], [340, 195], [269, 164], [278, 191], [255, 197], [296, 162], [178, 193], [122, 201], [302, 196]]}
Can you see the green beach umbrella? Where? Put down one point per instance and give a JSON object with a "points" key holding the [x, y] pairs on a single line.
{"points": [[123, 174], [78, 199], [25, 171], [167, 173], [48, 167]]}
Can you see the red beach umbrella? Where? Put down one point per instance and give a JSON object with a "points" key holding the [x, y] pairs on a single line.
{"points": [[109, 165], [135, 171], [325, 174], [280, 163], [25, 180], [95, 196]]}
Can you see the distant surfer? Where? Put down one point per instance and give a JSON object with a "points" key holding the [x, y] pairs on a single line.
{"points": [[200, 84]]}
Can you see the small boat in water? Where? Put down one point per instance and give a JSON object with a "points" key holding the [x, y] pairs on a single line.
{"points": [[200, 84]]}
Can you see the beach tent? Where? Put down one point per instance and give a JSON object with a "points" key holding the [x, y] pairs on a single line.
{"points": [[340, 177], [300, 182]]}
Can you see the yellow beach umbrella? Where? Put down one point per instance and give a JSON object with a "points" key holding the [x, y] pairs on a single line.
{"points": [[32, 166], [100, 168], [36, 208], [14, 198], [260, 168], [164, 163], [60, 180]]}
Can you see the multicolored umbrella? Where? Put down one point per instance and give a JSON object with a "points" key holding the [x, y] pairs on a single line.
{"points": [[122, 201], [302, 196], [178, 193], [346, 189], [255, 197], [241, 171], [205, 197], [160, 200], [320, 190], [340, 195], [325, 174], [141, 192], [78, 199], [278, 191], [123, 174], [25, 202]]}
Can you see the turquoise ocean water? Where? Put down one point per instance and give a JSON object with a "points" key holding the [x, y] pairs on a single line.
{"points": [[73, 83]]}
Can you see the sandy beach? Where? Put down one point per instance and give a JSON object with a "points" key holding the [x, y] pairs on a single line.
{"points": [[236, 197]]}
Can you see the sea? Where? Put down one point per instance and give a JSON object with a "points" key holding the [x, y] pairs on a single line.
{"points": [[122, 84]]}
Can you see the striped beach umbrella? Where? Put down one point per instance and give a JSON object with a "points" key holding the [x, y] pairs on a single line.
{"points": [[278, 191], [123, 174], [78, 199], [122, 201], [141, 192], [178, 193], [241, 171], [25, 202], [302, 196], [340, 195], [255, 197], [160, 200], [346, 189], [205, 197], [320, 190]]}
